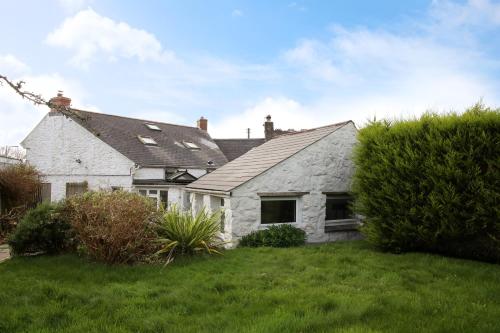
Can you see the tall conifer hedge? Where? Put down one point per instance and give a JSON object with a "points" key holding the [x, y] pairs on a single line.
{"points": [[432, 184]]}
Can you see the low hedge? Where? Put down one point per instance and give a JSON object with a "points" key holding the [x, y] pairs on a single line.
{"points": [[43, 229], [283, 235], [432, 184]]}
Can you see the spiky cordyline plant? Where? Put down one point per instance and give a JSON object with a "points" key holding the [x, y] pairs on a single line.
{"points": [[182, 232]]}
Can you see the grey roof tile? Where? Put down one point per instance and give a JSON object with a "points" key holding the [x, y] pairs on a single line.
{"points": [[234, 148], [121, 133], [260, 159]]}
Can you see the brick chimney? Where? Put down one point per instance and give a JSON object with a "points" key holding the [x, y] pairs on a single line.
{"points": [[59, 100], [268, 128], [202, 124]]}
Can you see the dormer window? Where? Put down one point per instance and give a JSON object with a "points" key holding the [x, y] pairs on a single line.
{"points": [[147, 140], [153, 127], [190, 145]]}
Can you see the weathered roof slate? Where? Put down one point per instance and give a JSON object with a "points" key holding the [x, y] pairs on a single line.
{"points": [[121, 133], [234, 148], [260, 159]]}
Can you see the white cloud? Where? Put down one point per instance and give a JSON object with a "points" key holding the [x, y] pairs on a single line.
{"points": [[365, 72], [89, 35], [237, 13], [286, 113], [471, 13], [10, 65], [359, 74]]}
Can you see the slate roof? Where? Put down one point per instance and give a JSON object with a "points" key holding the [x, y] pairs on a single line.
{"points": [[234, 148], [121, 133], [260, 159]]}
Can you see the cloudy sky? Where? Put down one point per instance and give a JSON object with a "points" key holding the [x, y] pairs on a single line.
{"points": [[307, 63]]}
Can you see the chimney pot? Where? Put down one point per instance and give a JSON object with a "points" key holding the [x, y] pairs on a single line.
{"points": [[268, 128], [202, 124], [59, 101]]}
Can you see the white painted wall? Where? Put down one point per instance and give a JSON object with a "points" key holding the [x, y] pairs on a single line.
{"points": [[149, 173], [325, 166], [54, 147]]}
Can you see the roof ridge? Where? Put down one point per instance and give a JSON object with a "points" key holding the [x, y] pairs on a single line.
{"points": [[315, 128], [139, 119]]}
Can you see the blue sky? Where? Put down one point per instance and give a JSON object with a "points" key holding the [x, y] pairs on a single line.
{"points": [[307, 63]]}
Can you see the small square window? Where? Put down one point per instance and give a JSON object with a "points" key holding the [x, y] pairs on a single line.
{"points": [[278, 211], [147, 140], [153, 127], [190, 145], [338, 207], [143, 192]]}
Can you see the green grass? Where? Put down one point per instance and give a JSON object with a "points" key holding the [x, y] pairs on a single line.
{"points": [[342, 287]]}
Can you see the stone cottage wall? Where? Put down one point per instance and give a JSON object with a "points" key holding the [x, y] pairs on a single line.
{"points": [[325, 166], [66, 152]]}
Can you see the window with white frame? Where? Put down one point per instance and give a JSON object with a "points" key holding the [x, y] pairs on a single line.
{"points": [[338, 207], [278, 210], [190, 145], [159, 197], [147, 140], [153, 127]]}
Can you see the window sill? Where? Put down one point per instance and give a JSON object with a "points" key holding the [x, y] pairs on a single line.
{"points": [[265, 225], [342, 225]]}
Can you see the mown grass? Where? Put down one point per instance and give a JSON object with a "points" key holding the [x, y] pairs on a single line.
{"points": [[342, 287]]}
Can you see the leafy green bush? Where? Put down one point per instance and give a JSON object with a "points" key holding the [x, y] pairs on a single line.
{"points": [[432, 184], [43, 229], [181, 232], [284, 235], [114, 227]]}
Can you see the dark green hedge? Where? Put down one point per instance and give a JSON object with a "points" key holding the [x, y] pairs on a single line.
{"points": [[283, 235], [432, 184]]}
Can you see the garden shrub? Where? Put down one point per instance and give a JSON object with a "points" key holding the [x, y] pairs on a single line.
{"points": [[181, 232], [284, 235], [113, 227], [19, 184], [432, 184], [42, 229]]}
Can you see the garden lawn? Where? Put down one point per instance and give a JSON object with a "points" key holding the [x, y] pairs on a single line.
{"points": [[342, 287]]}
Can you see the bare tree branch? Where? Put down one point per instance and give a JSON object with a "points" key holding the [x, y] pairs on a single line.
{"points": [[36, 99]]}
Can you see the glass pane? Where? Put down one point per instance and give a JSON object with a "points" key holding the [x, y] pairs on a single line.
{"points": [[142, 192], [164, 198], [338, 208], [278, 211], [153, 191]]}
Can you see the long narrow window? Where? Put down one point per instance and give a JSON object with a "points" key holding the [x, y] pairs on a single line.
{"points": [[274, 210], [338, 207]]}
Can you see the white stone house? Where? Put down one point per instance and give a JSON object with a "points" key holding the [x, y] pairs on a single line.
{"points": [[301, 178], [91, 151]]}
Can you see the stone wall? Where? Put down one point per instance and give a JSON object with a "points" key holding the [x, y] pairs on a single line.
{"points": [[325, 166], [65, 152]]}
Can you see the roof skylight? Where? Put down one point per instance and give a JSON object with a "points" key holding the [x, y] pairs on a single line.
{"points": [[153, 127], [147, 140], [190, 145]]}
